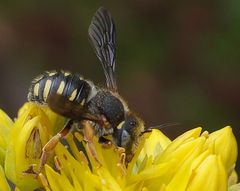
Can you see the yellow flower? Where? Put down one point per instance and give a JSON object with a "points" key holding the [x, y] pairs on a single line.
{"points": [[5, 127], [159, 164], [193, 161], [29, 133]]}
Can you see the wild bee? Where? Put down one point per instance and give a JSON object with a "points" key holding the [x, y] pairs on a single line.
{"points": [[82, 102]]}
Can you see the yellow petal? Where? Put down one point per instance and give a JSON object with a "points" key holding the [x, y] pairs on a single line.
{"points": [[163, 188], [179, 141], [2, 156], [17, 189], [96, 183], [222, 175], [107, 181], [233, 178], [152, 172], [77, 171], [5, 127], [235, 187], [184, 152], [57, 122], [3, 182], [183, 172], [5, 120], [225, 145], [145, 189], [154, 144], [58, 182], [135, 187], [209, 176], [132, 167]]}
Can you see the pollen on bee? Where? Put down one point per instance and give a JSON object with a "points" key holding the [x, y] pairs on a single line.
{"points": [[61, 87], [46, 89], [43, 180], [73, 95], [36, 89]]}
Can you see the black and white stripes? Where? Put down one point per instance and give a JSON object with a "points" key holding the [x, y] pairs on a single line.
{"points": [[71, 86]]}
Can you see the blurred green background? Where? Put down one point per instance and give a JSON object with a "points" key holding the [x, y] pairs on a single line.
{"points": [[177, 61]]}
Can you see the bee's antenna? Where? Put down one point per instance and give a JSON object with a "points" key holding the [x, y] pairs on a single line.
{"points": [[159, 127]]}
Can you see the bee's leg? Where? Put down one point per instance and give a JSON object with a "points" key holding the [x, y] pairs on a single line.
{"points": [[48, 148], [106, 143], [88, 137], [52, 143]]}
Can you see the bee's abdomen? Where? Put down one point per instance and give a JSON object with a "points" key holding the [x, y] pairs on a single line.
{"points": [[71, 86]]}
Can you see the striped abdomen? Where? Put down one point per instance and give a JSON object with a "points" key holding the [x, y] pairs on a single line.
{"points": [[71, 86]]}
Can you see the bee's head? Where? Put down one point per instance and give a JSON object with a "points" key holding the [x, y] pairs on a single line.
{"points": [[128, 134]]}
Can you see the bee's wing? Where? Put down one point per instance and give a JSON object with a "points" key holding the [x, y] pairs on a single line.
{"points": [[102, 33], [69, 109]]}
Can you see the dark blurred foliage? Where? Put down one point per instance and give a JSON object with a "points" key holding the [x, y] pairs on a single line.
{"points": [[178, 61]]}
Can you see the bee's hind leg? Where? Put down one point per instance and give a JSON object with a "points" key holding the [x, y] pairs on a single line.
{"points": [[49, 147]]}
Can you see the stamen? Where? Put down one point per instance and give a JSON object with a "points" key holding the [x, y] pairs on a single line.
{"points": [[83, 158], [58, 163], [120, 150], [121, 164], [43, 180]]}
